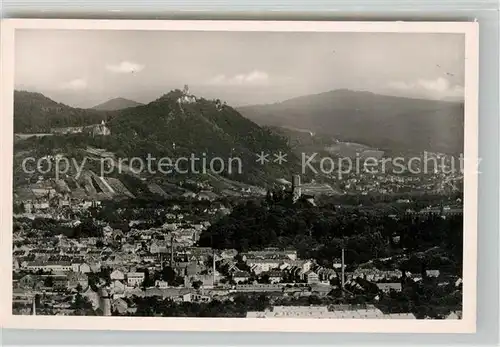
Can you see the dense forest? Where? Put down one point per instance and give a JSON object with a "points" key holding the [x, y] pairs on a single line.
{"points": [[366, 232], [35, 113]]}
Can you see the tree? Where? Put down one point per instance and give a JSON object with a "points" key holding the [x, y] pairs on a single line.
{"points": [[148, 280], [48, 282], [197, 284], [168, 274]]}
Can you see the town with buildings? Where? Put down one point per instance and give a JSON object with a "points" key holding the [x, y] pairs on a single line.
{"points": [[69, 258]]}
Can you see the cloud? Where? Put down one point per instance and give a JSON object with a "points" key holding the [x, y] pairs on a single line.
{"points": [[125, 67], [438, 88], [76, 84], [254, 77]]}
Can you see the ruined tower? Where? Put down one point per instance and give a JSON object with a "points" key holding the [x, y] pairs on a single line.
{"points": [[105, 302]]}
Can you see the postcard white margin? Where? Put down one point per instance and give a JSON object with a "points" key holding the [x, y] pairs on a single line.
{"points": [[465, 325]]}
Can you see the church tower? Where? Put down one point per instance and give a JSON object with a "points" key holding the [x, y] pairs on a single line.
{"points": [[296, 190]]}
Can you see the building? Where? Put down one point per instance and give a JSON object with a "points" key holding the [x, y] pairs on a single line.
{"points": [[432, 273], [60, 282], [76, 279], [270, 253], [135, 279], [81, 267], [117, 275], [258, 287], [387, 287], [275, 277], [49, 266], [193, 297], [161, 284], [100, 129], [348, 312], [262, 265], [312, 277]]}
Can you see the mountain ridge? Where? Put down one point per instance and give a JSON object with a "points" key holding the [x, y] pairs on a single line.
{"points": [[382, 121]]}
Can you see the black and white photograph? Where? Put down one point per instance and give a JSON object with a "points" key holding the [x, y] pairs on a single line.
{"points": [[199, 172]]}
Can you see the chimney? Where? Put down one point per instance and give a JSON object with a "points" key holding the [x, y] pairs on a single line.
{"points": [[213, 269], [172, 251]]}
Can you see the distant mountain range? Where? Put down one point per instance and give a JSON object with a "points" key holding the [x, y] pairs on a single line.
{"points": [[35, 113], [385, 122], [116, 104]]}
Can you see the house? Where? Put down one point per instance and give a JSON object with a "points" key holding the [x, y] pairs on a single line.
{"points": [[375, 275], [76, 279], [120, 306], [117, 275], [128, 248], [28, 281], [117, 289], [275, 276], [161, 284], [60, 282], [92, 296], [415, 277], [49, 266], [229, 253], [387, 287], [262, 265], [159, 247], [135, 279], [326, 274], [304, 265], [241, 276], [81, 267], [432, 273], [95, 267], [15, 264]]}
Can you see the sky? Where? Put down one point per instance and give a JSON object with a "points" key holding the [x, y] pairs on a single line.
{"points": [[83, 68]]}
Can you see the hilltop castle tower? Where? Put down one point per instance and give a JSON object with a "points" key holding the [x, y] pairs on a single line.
{"points": [[186, 97]]}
